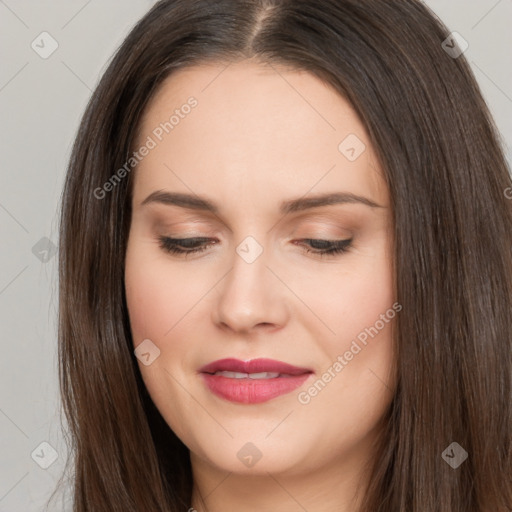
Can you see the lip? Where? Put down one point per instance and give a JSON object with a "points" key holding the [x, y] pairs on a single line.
{"points": [[253, 366], [253, 391]]}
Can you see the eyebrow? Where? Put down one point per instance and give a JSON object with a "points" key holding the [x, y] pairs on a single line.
{"points": [[294, 205]]}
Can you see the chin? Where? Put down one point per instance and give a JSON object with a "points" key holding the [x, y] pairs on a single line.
{"points": [[258, 457]]}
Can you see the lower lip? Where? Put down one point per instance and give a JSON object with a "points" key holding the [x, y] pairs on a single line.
{"points": [[252, 391]]}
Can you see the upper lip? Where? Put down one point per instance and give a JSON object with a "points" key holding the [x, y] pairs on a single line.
{"points": [[253, 366]]}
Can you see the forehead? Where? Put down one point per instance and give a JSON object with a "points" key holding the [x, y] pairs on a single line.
{"points": [[254, 125]]}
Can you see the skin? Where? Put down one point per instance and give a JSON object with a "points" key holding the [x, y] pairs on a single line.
{"points": [[258, 136]]}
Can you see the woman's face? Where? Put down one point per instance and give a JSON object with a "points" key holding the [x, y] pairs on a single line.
{"points": [[253, 151]]}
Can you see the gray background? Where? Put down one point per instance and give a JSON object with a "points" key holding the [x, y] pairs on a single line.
{"points": [[41, 101]]}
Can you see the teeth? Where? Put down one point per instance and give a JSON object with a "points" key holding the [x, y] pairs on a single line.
{"points": [[232, 375], [238, 375], [263, 375]]}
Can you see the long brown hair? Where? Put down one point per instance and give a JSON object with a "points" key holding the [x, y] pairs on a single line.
{"points": [[447, 176]]}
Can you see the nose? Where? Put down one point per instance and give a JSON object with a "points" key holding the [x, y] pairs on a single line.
{"points": [[251, 297]]}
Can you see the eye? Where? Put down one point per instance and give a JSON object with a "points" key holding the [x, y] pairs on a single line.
{"points": [[199, 244], [327, 247], [185, 245]]}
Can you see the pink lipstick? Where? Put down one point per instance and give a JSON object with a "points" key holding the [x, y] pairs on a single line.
{"points": [[252, 382]]}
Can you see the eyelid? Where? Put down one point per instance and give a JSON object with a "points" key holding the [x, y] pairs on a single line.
{"points": [[333, 248]]}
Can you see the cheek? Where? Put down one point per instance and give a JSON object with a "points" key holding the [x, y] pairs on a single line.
{"points": [[356, 382], [149, 303], [158, 297], [347, 298], [355, 310], [160, 305]]}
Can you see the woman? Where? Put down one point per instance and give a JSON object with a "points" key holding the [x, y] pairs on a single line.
{"points": [[285, 267]]}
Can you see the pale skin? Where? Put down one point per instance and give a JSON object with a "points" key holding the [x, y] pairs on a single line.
{"points": [[261, 135]]}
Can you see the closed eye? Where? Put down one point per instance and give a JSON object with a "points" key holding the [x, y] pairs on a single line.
{"points": [[183, 246]]}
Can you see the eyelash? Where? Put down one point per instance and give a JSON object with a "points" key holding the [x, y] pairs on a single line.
{"points": [[171, 245]]}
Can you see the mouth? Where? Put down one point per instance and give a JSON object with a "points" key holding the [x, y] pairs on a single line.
{"points": [[254, 381]]}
